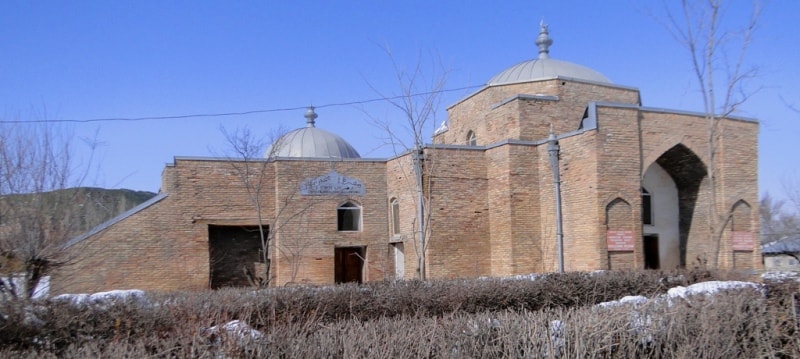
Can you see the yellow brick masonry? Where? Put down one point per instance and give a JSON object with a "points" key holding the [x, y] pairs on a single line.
{"points": [[583, 243], [491, 206], [459, 243], [166, 246], [476, 112], [619, 178], [401, 185]]}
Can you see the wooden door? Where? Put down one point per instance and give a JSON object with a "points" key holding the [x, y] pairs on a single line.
{"points": [[349, 264]]}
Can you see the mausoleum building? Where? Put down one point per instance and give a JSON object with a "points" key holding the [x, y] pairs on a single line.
{"points": [[632, 192]]}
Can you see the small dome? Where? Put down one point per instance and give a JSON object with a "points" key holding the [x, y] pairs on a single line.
{"points": [[310, 142], [544, 67]]}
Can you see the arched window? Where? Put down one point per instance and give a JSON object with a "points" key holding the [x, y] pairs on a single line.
{"points": [[395, 206], [471, 139], [647, 207], [349, 217]]}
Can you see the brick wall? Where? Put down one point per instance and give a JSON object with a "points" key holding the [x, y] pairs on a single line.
{"points": [[401, 184], [739, 182], [148, 251], [492, 210], [477, 112], [308, 233], [459, 242], [619, 217], [166, 245], [513, 209], [620, 175], [737, 173], [584, 245]]}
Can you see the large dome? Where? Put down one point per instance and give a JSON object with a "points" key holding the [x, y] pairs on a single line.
{"points": [[311, 142], [544, 67]]}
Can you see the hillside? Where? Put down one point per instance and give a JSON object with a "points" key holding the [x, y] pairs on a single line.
{"points": [[93, 205], [99, 205], [68, 212]]}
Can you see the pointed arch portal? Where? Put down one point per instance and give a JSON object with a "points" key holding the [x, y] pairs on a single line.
{"points": [[674, 181]]}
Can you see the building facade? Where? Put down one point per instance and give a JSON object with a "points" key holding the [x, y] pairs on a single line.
{"points": [[782, 254], [633, 193]]}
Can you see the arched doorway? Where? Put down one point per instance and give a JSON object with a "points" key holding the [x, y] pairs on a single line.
{"points": [[660, 223], [674, 182]]}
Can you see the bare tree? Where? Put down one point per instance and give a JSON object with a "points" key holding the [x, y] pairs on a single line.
{"points": [[781, 217], [791, 188], [776, 220], [417, 102], [717, 56], [293, 250], [38, 214], [250, 162]]}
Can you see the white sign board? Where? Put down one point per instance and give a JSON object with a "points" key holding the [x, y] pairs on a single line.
{"points": [[331, 183]]}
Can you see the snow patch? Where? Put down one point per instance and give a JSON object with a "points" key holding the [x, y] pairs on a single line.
{"points": [[702, 288], [532, 276], [557, 329], [645, 316], [236, 327], [629, 299], [16, 283], [242, 333], [780, 276], [708, 288], [103, 298], [442, 128]]}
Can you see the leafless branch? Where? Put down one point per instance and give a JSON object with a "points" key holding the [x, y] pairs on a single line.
{"points": [[39, 212], [417, 103], [699, 29]]}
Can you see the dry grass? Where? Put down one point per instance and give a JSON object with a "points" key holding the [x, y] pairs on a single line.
{"points": [[553, 316]]}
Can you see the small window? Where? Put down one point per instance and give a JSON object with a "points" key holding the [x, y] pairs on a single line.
{"points": [[395, 204], [647, 207], [349, 217], [471, 139]]}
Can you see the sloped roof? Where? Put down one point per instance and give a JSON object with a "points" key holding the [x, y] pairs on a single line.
{"points": [[116, 219], [789, 244]]}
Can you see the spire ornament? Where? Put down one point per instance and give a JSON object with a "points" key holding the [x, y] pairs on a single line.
{"points": [[310, 116], [544, 41]]}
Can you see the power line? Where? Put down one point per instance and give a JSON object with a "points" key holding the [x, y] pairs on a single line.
{"points": [[241, 113]]}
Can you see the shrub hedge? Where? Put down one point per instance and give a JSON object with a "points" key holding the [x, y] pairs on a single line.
{"points": [[550, 315]]}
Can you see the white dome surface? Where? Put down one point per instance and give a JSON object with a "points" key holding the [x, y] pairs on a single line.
{"points": [[311, 142], [541, 69], [544, 67]]}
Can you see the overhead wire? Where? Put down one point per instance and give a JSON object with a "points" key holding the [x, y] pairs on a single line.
{"points": [[239, 113]]}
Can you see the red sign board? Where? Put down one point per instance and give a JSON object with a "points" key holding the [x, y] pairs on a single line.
{"points": [[743, 241], [619, 241]]}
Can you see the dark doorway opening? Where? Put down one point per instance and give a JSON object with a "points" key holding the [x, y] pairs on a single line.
{"points": [[233, 254], [651, 252], [349, 264]]}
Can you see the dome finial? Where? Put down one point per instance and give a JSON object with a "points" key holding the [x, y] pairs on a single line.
{"points": [[544, 41], [310, 116]]}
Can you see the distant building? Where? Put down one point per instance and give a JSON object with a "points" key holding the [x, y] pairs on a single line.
{"points": [[633, 188], [783, 254]]}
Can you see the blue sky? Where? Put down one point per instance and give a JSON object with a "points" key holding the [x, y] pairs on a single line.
{"points": [[129, 59]]}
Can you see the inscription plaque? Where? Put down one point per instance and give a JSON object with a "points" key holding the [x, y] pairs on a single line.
{"points": [[619, 241], [331, 183], [743, 241]]}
